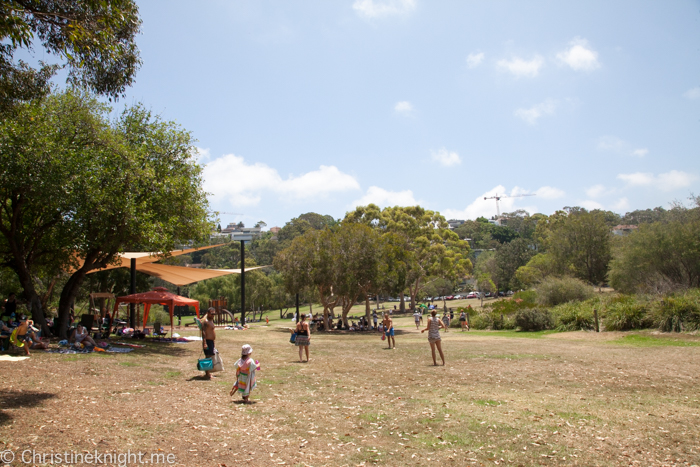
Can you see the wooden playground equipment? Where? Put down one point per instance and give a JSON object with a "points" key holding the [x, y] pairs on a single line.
{"points": [[222, 317]]}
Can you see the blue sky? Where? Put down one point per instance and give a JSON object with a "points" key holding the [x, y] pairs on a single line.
{"points": [[321, 106]]}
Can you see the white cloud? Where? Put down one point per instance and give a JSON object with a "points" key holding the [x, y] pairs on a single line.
{"points": [[548, 192], [384, 198], [475, 59], [621, 205], [377, 9], [487, 207], [595, 191], [591, 205], [201, 155], [665, 182], [620, 146], [403, 107], [579, 56], [446, 158], [231, 178], [520, 67], [537, 111], [692, 93]]}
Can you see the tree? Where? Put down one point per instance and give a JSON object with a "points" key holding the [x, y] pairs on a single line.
{"points": [[659, 256], [486, 273], [581, 241], [94, 38], [509, 257], [90, 190], [430, 247]]}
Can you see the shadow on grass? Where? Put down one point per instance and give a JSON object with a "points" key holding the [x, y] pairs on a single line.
{"points": [[20, 400], [162, 348]]}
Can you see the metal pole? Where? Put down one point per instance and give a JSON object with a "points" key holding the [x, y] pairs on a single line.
{"points": [[297, 299], [242, 282], [132, 290]]}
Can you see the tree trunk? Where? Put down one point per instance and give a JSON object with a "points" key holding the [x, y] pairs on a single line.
{"points": [[368, 309], [32, 297], [402, 305]]}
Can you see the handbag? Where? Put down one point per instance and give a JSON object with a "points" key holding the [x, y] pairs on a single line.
{"points": [[205, 364], [217, 362], [293, 338]]}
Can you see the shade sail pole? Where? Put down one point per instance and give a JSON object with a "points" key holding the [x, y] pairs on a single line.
{"points": [[132, 290], [242, 282]]}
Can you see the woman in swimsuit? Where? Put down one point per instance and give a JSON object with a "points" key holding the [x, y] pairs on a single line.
{"points": [[434, 325], [303, 339]]}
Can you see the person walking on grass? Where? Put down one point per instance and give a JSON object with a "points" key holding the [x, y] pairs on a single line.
{"points": [[463, 321], [434, 325], [245, 374], [208, 337], [417, 317], [446, 320], [389, 329], [303, 339]]}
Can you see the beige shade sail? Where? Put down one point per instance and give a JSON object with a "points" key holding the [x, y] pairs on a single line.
{"points": [[144, 257], [179, 275]]}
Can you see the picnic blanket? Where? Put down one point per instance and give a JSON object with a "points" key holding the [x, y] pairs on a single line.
{"points": [[136, 346], [74, 351], [10, 358], [171, 340]]}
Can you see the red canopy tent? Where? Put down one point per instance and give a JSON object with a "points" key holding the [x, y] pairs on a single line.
{"points": [[158, 296]]}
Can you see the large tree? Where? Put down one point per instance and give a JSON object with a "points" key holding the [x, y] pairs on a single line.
{"points": [[93, 39], [90, 189], [580, 240], [509, 257]]}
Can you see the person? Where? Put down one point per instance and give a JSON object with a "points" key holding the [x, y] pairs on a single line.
{"points": [[10, 307], [463, 320], [375, 318], [389, 329], [26, 334], [303, 339], [417, 316], [208, 337], [446, 320], [434, 325], [107, 323], [245, 374], [452, 314]]}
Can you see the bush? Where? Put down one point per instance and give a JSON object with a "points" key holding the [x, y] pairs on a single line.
{"points": [[158, 315], [533, 319], [574, 316], [555, 291], [677, 313], [625, 312], [481, 321]]}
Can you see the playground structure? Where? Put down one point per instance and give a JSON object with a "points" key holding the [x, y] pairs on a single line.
{"points": [[222, 317]]}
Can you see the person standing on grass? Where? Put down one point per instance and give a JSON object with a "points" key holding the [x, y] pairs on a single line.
{"points": [[303, 339], [245, 374], [208, 337], [417, 317], [446, 320], [389, 329], [463, 320], [374, 318], [434, 325]]}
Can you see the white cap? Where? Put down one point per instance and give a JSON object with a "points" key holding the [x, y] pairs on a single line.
{"points": [[246, 350]]}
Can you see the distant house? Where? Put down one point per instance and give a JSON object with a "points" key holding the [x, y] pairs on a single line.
{"points": [[275, 230], [237, 232], [454, 223], [624, 229]]}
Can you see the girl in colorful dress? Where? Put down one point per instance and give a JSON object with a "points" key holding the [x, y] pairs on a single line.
{"points": [[245, 374], [434, 325]]}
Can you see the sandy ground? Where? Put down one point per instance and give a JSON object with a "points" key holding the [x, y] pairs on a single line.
{"points": [[502, 399]]}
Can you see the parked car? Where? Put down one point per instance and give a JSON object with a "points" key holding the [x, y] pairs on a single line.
{"points": [[458, 297], [473, 295], [487, 294], [450, 297]]}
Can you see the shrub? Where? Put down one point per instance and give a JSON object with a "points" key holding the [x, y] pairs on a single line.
{"points": [[557, 290], [677, 313], [533, 319], [574, 316], [510, 305], [625, 312], [481, 321]]}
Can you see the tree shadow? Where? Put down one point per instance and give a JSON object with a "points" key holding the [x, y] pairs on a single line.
{"points": [[20, 400], [161, 348]]}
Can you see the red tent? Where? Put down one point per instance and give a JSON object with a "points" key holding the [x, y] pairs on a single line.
{"points": [[158, 296]]}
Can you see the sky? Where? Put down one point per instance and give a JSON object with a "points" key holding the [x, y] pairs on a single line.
{"points": [[321, 106]]}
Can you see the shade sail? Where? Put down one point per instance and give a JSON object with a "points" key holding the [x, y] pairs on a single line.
{"points": [[157, 296], [179, 275], [145, 257]]}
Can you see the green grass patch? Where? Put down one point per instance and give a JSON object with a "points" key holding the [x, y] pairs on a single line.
{"points": [[641, 340], [510, 333], [129, 364], [488, 402], [172, 374]]}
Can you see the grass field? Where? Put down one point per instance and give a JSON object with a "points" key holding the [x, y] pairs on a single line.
{"points": [[504, 398]]}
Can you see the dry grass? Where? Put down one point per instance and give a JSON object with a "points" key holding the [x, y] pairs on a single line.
{"points": [[503, 398]]}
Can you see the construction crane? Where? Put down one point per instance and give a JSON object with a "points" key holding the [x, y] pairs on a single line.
{"points": [[498, 197], [230, 213]]}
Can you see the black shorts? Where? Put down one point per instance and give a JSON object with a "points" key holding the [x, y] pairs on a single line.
{"points": [[209, 349]]}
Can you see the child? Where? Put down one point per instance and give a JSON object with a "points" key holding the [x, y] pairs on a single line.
{"points": [[245, 374]]}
